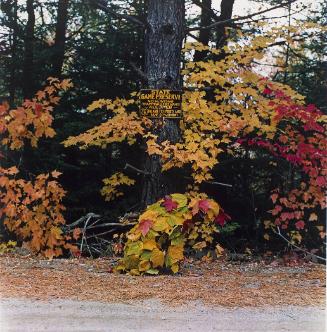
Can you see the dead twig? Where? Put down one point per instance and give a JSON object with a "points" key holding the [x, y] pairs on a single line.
{"points": [[136, 169], [225, 22], [297, 247]]}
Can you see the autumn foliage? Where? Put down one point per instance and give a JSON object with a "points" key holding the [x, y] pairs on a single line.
{"points": [[32, 209], [230, 108], [163, 231]]}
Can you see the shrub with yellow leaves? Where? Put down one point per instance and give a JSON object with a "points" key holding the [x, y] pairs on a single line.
{"points": [[158, 240]]}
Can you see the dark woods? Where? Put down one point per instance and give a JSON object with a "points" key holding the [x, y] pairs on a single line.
{"points": [[109, 49]]}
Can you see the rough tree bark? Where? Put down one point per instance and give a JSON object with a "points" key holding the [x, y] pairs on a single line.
{"points": [[13, 64], [28, 81], [163, 43], [204, 35], [60, 38], [226, 11]]}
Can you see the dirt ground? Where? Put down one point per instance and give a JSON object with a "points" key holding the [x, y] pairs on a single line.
{"points": [[83, 295], [220, 283]]}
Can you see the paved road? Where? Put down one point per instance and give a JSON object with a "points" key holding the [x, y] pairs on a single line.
{"points": [[64, 315]]}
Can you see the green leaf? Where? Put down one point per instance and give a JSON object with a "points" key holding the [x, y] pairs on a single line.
{"points": [[134, 248], [175, 219], [180, 199], [146, 255], [152, 271], [161, 225], [157, 208], [168, 261], [131, 262], [152, 234], [176, 232], [178, 241]]}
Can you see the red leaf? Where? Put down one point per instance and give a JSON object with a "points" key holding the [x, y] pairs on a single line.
{"points": [[169, 204], [274, 197], [276, 210], [321, 181], [267, 91], [311, 108], [145, 226], [204, 205], [222, 218], [187, 225], [77, 253], [300, 224], [76, 233], [38, 109]]}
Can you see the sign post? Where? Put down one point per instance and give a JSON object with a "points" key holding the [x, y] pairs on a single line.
{"points": [[161, 103]]}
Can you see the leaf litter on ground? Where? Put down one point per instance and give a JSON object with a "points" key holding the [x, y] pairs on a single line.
{"points": [[214, 283]]}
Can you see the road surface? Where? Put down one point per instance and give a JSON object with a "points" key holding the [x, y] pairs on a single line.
{"points": [[66, 315]]}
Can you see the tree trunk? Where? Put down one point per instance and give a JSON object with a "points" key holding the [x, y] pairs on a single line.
{"points": [[163, 44], [28, 81], [13, 64], [226, 12], [204, 35], [60, 38]]}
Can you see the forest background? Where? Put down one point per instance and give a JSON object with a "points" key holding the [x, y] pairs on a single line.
{"points": [[101, 50]]}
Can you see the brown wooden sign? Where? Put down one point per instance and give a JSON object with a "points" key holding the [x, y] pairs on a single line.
{"points": [[161, 103]]}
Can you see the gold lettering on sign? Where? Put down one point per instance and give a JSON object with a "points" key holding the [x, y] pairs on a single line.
{"points": [[160, 103]]}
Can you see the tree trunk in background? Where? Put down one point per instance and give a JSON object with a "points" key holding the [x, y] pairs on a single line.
{"points": [[60, 38], [204, 35], [226, 12], [28, 81], [13, 64], [163, 44]]}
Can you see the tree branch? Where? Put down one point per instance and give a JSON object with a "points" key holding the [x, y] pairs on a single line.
{"points": [[100, 4], [210, 10], [136, 169], [139, 71], [213, 182], [225, 22], [295, 246]]}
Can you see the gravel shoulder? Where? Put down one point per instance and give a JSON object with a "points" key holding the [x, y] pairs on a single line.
{"points": [[83, 295], [66, 315], [217, 283]]}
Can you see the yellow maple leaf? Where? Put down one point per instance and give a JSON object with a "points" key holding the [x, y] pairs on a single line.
{"points": [[157, 258]]}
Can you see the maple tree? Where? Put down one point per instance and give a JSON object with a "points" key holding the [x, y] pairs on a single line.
{"points": [[229, 108], [110, 189], [32, 209]]}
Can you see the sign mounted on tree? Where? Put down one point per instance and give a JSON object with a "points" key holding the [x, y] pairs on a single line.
{"points": [[161, 103]]}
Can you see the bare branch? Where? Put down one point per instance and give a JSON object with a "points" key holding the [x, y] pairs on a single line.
{"points": [[139, 71], [136, 169], [100, 4], [219, 184], [82, 219], [210, 10], [295, 246], [225, 22], [110, 224], [193, 36], [213, 182]]}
